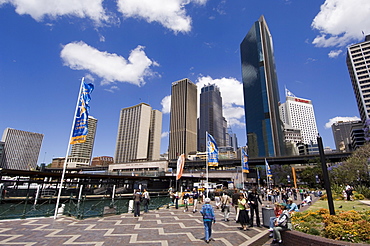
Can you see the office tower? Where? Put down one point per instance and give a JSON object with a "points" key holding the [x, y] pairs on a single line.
{"points": [[210, 116], [342, 135], [183, 119], [139, 134], [357, 135], [2, 145], [358, 63], [261, 94], [81, 153], [298, 113], [21, 149]]}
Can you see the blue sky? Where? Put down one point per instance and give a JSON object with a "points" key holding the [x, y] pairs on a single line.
{"points": [[132, 50]]}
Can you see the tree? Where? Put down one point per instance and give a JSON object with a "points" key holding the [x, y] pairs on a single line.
{"points": [[354, 170]]}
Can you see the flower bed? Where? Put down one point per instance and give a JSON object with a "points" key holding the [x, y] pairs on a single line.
{"points": [[350, 226]]}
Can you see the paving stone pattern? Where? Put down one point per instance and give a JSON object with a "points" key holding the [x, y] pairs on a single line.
{"points": [[168, 226]]}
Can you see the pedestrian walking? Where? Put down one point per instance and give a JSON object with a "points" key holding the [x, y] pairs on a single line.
{"points": [[208, 218], [137, 201], [195, 196], [146, 200], [235, 198], [225, 206]]}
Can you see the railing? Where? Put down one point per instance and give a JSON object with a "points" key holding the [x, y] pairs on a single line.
{"points": [[78, 208]]}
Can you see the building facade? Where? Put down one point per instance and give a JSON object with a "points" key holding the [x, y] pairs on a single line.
{"points": [[358, 63], [211, 119], [21, 149], [183, 119], [81, 153], [299, 114], [102, 161], [261, 94], [139, 134], [342, 135]]}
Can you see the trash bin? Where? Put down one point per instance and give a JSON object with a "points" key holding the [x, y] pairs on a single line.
{"points": [[267, 212]]}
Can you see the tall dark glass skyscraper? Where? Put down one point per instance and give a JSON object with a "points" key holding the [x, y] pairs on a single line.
{"points": [[210, 117], [261, 94]]}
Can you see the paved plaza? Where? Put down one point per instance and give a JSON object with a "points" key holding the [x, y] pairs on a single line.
{"points": [[167, 226]]}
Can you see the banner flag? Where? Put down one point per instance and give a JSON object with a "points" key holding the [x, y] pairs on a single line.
{"points": [[80, 126], [268, 170], [258, 175], [180, 166], [245, 166], [212, 151]]}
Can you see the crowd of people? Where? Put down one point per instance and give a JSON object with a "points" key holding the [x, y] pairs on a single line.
{"points": [[245, 203]]}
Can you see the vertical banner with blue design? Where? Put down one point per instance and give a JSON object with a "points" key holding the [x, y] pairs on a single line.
{"points": [[80, 126], [268, 170], [212, 151], [245, 161]]}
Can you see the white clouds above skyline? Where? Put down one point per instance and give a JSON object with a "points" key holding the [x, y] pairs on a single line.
{"points": [[341, 22], [340, 118], [169, 13], [39, 9], [110, 67]]}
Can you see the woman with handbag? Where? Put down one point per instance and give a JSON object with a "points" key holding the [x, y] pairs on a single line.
{"points": [[243, 212]]}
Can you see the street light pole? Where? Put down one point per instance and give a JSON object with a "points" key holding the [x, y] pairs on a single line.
{"points": [[326, 176]]}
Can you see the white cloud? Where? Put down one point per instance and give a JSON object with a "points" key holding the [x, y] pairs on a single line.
{"points": [[334, 53], [165, 134], [166, 105], [110, 67], [169, 13], [39, 9], [341, 22], [232, 98], [338, 119], [112, 89]]}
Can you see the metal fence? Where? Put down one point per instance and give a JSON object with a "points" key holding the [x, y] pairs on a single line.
{"points": [[79, 208]]}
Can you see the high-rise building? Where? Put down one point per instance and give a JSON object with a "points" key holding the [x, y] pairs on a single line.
{"points": [[21, 149], [139, 134], [210, 116], [298, 113], [81, 153], [261, 94], [183, 119], [357, 135], [2, 145], [342, 135], [358, 63]]}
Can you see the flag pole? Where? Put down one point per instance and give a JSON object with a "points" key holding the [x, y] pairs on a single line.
{"points": [[69, 145], [267, 175], [207, 161], [242, 163]]}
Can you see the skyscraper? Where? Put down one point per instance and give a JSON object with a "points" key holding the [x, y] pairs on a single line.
{"points": [[81, 153], [21, 149], [298, 113], [342, 132], [210, 118], [183, 119], [139, 134], [261, 94], [358, 63]]}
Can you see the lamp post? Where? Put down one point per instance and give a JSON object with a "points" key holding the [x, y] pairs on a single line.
{"points": [[325, 176]]}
